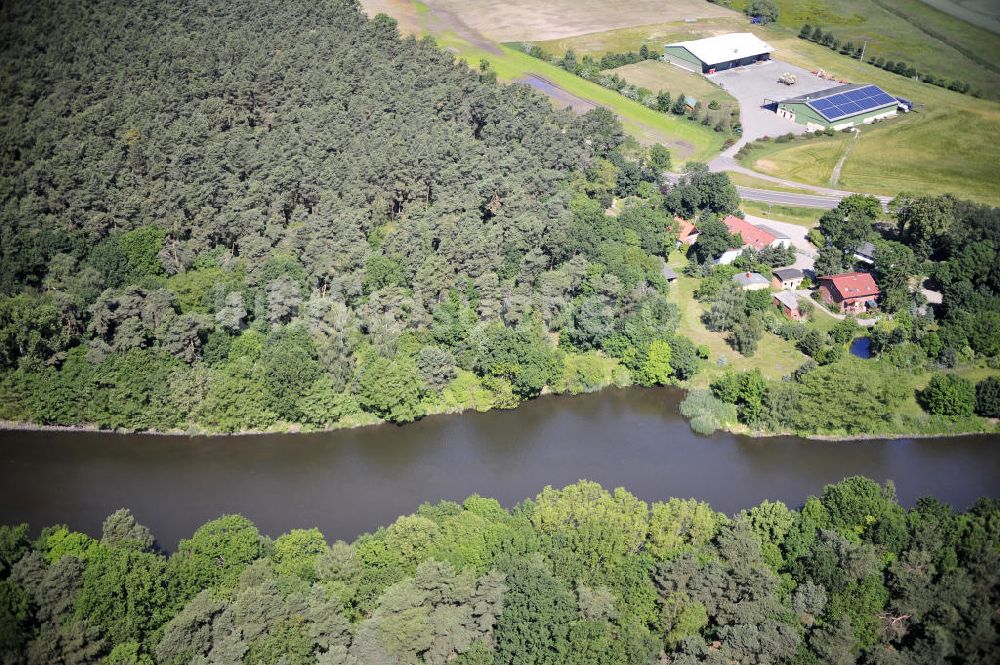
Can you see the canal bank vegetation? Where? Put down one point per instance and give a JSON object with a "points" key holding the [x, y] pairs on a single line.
{"points": [[574, 575]]}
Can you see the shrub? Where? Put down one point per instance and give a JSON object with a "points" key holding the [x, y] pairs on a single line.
{"points": [[988, 397], [948, 395], [706, 411]]}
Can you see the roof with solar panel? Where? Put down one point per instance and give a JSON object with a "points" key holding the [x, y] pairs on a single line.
{"points": [[845, 100]]}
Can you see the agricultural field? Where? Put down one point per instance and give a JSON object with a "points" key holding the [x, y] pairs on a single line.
{"points": [[908, 30], [533, 20]]}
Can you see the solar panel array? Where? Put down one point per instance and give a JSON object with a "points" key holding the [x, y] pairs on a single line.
{"points": [[852, 102]]}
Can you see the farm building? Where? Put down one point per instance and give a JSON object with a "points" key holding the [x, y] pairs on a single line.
{"points": [[788, 303], [757, 237], [854, 292], [715, 54], [839, 107], [787, 278]]}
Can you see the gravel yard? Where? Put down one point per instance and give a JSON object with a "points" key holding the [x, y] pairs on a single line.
{"points": [[754, 84]]}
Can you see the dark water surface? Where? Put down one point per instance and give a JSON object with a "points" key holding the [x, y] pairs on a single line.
{"points": [[352, 481], [862, 347]]}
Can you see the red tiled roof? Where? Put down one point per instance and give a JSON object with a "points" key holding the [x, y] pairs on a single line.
{"points": [[686, 229], [853, 284], [751, 235]]}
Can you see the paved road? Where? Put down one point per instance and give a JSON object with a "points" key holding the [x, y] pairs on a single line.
{"points": [[824, 198], [789, 198]]}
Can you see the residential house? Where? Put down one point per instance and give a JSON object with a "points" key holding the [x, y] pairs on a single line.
{"points": [[688, 232], [757, 237], [788, 279], [751, 281], [865, 253], [853, 292], [788, 303]]}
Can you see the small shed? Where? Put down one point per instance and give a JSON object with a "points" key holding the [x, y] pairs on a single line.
{"points": [[786, 278], [865, 253], [788, 303], [751, 281], [689, 103], [669, 274]]}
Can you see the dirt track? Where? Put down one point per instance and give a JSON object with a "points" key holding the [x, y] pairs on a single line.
{"points": [[560, 96]]}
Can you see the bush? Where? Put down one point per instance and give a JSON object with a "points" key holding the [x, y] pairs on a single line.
{"points": [[988, 397], [706, 411], [948, 395]]}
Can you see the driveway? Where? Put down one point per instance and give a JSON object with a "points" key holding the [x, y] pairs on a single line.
{"points": [[805, 252], [757, 84]]}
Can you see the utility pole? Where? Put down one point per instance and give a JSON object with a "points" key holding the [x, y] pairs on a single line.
{"points": [[863, 51]]}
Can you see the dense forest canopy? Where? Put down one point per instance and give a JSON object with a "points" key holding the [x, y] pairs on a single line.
{"points": [[575, 575], [236, 215]]}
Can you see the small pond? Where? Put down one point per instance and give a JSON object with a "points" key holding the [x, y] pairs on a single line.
{"points": [[862, 347]]}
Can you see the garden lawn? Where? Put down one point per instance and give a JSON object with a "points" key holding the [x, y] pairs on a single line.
{"points": [[775, 357]]}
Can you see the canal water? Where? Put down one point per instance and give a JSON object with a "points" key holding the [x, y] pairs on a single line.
{"points": [[352, 481]]}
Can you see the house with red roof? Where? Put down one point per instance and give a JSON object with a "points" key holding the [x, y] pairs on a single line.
{"points": [[757, 237], [688, 232], [853, 292]]}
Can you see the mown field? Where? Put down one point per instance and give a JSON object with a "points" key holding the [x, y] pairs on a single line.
{"points": [[533, 20], [807, 217], [907, 30]]}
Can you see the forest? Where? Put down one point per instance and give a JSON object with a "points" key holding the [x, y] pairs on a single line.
{"points": [[277, 215], [575, 575]]}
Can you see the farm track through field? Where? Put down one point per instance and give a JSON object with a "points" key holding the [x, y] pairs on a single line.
{"points": [[835, 174]]}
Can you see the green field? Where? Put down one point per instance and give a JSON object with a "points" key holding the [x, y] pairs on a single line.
{"points": [[660, 76], [687, 140], [907, 30], [807, 217], [744, 180]]}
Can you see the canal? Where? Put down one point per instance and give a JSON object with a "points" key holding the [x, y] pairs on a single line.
{"points": [[349, 482]]}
